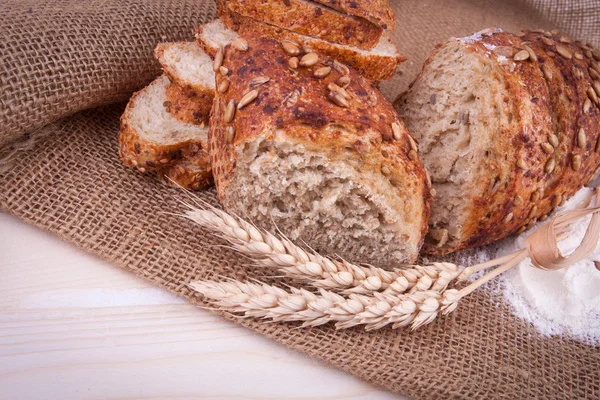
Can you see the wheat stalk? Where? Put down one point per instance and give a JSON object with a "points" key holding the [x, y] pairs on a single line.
{"points": [[277, 252], [259, 300]]}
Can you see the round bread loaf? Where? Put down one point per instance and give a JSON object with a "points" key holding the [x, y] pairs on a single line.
{"points": [[507, 127], [304, 143]]}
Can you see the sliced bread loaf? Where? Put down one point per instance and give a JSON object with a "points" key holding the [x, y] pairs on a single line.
{"points": [[151, 139], [508, 127], [309, 18], [193, 80], [378, 63], [332, 166]]}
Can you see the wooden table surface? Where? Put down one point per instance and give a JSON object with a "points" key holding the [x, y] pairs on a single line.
{"points": [[74, 327]]}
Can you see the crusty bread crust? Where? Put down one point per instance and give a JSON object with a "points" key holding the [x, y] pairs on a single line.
{"points": [[311, 19], [192, 171], [293, 106], [373, 66], [376, 11], [136, 150], [189, 106], [525, 177]]}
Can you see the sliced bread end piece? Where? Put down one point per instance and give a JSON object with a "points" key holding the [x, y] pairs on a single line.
{"points": [[150, 137]]}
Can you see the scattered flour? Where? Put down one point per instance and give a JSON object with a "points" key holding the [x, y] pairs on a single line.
{"points": [[564, 302], [478, 35]]}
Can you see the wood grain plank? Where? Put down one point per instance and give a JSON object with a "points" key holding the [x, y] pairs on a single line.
{"points": [[74, 327]]}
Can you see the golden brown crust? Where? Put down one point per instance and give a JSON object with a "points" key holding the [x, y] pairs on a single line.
{"points": [[376, 11], [187, 105], [520, 183], [192, 171], [373, 67], [296, 102], [310, 19]]}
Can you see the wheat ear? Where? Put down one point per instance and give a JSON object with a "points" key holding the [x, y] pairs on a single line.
{"points": [[279, 253], [259, 300]]}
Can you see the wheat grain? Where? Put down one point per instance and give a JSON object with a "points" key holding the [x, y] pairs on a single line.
{"points": [[259, 300], [279, 253]]}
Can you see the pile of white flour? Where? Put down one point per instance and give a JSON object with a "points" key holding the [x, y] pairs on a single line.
{"points": [[564, 302]]}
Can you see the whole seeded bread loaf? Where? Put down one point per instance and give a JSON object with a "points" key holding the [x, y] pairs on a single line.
{"points": [[378, 63], [152, 139], [191, 93], [314, 148], [508, 128], [308, 18]]}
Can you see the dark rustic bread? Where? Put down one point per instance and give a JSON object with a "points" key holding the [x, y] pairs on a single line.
{"points": [[189, 69], [508, 127], [151, 139], [378, 63], [308, 18], [333, 167]]}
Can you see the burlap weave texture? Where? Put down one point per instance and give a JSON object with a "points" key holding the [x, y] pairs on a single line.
{"points": [[69, 180]]}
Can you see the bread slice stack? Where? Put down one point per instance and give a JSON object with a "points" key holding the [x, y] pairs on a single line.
{"points": [[352, 32], [165, 126]]}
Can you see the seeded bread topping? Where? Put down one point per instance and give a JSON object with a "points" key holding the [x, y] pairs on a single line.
{"points": [[314, 148], [508, 126]]}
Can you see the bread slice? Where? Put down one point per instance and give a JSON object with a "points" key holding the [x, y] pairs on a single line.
{"points": [[187, 106], [193, 80], [333, 167], [378, 63], [377, 11], [309, 18], [151, 139], [506, 128]]}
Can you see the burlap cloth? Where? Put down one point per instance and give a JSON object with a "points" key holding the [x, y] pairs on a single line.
{"points": [[59, 170]]}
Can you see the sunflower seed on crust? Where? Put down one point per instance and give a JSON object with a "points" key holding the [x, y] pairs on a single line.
{"points": [[508, 218], [293, 62], [223, 86], [547, 147], [247, 99], [576, 162], [553, 140], [240, 44], [341, 68], [521, 55], [522, 164], [396, 131], [259, 80], [550, 165], [229, 134], [344, 81], [337, 99], [581, 138], [547, 71], [290, 47], [532, 54], [218, 59], [309, 59], [322, 72], [505, 51], [229, 112], [563, 51], [335, 88]]}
